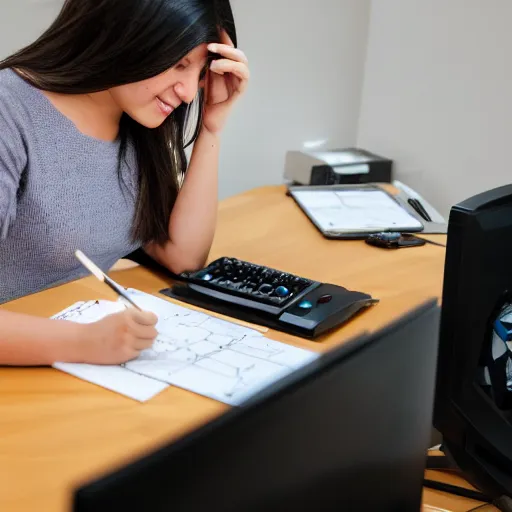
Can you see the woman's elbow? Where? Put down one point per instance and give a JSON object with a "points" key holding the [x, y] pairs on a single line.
{"points": [[176, 260], [183, 264]]}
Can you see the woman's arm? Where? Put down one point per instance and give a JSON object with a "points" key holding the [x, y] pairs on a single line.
{"points": [[192, 221], [193, 218], [27, 340]]}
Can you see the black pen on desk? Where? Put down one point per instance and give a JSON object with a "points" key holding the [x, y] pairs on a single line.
{"points": [[97, 272], [416, 204]]}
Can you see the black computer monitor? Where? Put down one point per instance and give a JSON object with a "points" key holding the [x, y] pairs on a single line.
{"points": [[347, 432], [472, 407]]}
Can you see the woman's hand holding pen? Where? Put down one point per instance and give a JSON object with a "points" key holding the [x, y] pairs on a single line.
{"points": [[226, 81], [117, 338]]}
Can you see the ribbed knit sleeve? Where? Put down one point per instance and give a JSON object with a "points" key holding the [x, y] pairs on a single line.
{"points": [[13, 160]]}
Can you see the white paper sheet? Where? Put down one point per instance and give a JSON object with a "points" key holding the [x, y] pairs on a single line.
{"points": [[355, 210], [194, 351]]}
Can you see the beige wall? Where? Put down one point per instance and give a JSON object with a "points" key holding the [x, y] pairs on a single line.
{"points": [[437, 94], [307, 63]]}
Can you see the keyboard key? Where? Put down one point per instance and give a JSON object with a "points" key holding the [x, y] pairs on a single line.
{"points": [[255, 282], [282, 291]]}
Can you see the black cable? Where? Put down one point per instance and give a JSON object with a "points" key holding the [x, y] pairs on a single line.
{"points": [[431, 241], [457, 491], [479, 507]]}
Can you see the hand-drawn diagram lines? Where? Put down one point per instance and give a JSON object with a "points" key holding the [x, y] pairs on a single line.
{"points": [[88, 312], [194, 350]]}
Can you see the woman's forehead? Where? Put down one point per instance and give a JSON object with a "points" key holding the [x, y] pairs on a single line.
{"points": [[198, 54]]}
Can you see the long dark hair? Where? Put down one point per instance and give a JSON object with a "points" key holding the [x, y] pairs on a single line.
{"points": [[94, 45]]}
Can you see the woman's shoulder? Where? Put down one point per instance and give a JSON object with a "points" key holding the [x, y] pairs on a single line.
{"points": [[16, 107], [12, 92], [12, 86], [17, 103]]}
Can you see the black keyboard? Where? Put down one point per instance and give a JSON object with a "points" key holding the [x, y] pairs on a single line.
{"points": [[269, 297], [247, 280]]}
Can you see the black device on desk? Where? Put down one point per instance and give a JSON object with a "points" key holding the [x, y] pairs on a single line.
{"points": [[270, 297], [347, 432], [391, 240], [471, 410]]}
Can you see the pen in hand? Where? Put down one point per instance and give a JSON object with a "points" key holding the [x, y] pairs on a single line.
{"points": [[119, 337], [97, 272]]}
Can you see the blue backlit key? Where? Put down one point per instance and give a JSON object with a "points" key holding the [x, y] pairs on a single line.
{"points": [[282, 291]]}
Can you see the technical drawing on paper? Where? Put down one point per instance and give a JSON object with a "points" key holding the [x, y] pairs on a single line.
{"points": [[194, 350]]}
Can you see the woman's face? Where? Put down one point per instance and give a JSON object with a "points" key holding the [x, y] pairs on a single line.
{"points": [[151, 101]]}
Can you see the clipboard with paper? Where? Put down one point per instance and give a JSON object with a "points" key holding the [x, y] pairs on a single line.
{"points": [[353, 211]]}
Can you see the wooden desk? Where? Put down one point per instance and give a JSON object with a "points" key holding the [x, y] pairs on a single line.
{"points": [[56, 430], [447, 502]]}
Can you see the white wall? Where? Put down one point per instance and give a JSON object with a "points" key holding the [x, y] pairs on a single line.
{"points": [[307, 62], [437, 94], [21, 21]]}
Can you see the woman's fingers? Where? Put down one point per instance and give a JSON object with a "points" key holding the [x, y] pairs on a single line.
{"points": [[229, 52], [238, 69], [142, 317], [141, 344]]}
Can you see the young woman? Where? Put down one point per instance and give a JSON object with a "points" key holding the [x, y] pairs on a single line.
{"points": [[95, 117]]}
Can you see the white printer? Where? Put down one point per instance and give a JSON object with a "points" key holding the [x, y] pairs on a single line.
{"points": [[337, 166]]}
